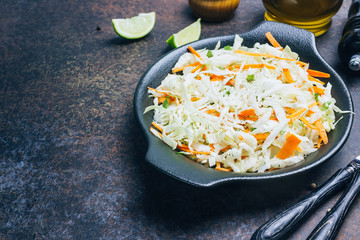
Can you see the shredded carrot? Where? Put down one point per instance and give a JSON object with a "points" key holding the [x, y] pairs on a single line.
{"points": [[296, 114], [289, 110], [272, 40], [249, 118], [302, 64], [265, 55], [309, 113], [315, 80], [161, 99], [185, 148], [261, 65], [315, 73], [289, 147], [261, 136], [214, 77], [306, 122], [312, 105], [271, 169], [288, 75], [155, 132], [157, 126], [194, 99], [318, 90], [179, 69], [191, 49], [247, 112], [213, 111], [158, 91], [196, 68], [250, 53], [231, 82], [322, 131], [225, 148], [218, 167]]}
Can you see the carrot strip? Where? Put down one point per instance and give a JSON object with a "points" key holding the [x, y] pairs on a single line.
{"points": [[187, 149], [191, 49], [231, 82], [265, 55], [315, 73], [315, 80], [213, 111], [196, 68], [316, 89], [194, 99], [261, 65], [155, 132], [157, 126], [306, 122], [161, 99], [302, 64], [214, 77], [272, 40], [289, 110], [261, 136], [250, 53], [312, 105], [158, 91], [322, 131], [289, 147], [270, 67], [288, 75], [218, 167], [296, 114], [179, 69], [249, 118], [225, 148], [247, 112]]}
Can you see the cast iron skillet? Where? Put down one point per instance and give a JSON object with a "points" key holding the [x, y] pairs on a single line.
{"points": [[168, 161]]}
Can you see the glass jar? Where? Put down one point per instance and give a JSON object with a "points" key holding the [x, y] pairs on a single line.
{"points": [[312, 15], [214, 10]]}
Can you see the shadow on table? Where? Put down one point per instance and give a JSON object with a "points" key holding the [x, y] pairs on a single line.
{"points": [[171, 201]]}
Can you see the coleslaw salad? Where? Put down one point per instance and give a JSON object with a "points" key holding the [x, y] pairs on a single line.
{"points": [[243, 109]]}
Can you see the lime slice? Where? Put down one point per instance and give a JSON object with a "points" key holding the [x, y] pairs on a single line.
{"points": [[135, 27], [189, 34]]}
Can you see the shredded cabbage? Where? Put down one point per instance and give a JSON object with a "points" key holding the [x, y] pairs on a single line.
{"points": [[235, 108]]}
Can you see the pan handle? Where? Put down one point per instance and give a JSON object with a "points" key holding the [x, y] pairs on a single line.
{"points": [[279, 226], [330, 224]]}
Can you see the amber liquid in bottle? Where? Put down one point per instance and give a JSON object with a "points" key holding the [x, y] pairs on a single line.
{"points": [[312, 15]]}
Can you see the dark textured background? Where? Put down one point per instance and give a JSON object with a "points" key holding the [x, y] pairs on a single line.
{"points": [[71, 154]]}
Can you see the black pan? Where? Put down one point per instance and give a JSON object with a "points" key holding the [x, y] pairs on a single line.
{"points": [[168, 161]]}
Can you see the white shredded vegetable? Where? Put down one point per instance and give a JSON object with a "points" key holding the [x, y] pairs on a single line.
{"points": [[243, 109]]}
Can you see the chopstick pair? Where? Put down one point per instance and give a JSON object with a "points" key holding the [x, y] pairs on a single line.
{"points": [[282, 224]]}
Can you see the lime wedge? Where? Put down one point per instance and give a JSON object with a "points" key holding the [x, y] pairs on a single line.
{"points": [[189, 34], [135, 27]]}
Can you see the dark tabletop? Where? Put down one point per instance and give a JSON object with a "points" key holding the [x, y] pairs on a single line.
{"points": [[72, 157]]}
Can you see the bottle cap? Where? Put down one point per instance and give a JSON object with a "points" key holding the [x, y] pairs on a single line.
{"points": [[354, 63]]}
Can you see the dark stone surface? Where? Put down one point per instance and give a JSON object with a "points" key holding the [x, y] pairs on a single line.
{"points": [[71, 154]]}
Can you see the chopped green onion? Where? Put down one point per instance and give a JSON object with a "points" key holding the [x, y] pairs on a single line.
{"points": [[166, 102], [325, 106], [316, 95], [209, 54], [250, 78], [227, 47]]}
